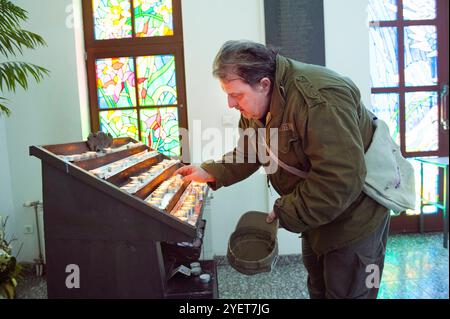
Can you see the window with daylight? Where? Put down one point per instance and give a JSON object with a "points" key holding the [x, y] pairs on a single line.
{"points": [[134, 52], [409, 74]]}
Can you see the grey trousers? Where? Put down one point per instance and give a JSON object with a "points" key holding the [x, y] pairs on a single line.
{"points": [[352, 272]]}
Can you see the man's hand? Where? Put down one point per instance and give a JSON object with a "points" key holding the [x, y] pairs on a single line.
{"points": [[194, 173], [271, 217]]}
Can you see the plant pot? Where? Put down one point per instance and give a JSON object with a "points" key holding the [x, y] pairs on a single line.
{"points": [[7, 291]]}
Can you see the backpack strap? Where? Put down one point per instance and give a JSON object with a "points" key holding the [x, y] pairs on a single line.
{"points": [[293, 170], [290, 169]]}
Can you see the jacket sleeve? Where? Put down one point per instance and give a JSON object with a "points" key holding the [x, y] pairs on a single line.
{"points": [[331, 139], [236, 165]]}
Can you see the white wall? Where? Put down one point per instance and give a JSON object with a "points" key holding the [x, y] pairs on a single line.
{"points": [[6, 206], [48, 113], [206, 26], [347, 41]]}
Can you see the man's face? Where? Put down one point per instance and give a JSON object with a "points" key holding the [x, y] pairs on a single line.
{"points": [[252, 101]]}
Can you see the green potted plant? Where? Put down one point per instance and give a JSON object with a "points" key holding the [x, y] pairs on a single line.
{"points": [[9, 268], [13, 40]]}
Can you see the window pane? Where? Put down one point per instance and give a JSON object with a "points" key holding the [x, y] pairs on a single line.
{"points": [[420, 55], [156, 80], [386, 107], [384, 57], [419, 9], [153, 18], [120, 123], [430, 187], [421, 122], [115, 83], [160, 130], [112, 19], [382, 10]]}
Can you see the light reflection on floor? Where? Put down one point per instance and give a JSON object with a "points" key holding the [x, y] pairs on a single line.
{"points": [[416, 267]]}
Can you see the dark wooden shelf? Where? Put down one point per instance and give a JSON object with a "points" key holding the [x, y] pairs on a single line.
{"points": [[182, 287]]}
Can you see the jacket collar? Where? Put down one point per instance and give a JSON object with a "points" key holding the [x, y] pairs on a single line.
{"points": [[278, 98]]}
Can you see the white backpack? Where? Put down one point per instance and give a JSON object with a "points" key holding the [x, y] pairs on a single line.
{"points": [[390, 177]]}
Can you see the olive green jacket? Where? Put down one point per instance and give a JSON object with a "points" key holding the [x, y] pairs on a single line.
{"points": [[323, 128]]}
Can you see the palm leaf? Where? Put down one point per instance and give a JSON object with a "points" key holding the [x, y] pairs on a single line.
{"points": [[3, 109], [11, 15], [15, 39], [13, 74]]}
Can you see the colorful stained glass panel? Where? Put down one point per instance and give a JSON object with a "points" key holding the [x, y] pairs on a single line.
{"points": [[421, 55], [112, 19], [430, 187], [421, 121], [382, 10], [160, 130], [156, 80], [153, 18], [120, 123], [386, 107], [115, 83], [419, 9], [384, 57]]}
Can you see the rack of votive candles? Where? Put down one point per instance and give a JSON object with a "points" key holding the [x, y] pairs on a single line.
{"points": [[139, 181], [128, 146], [162, 196], [190, 203], [114, 168], [91, 154], [79, 157]]}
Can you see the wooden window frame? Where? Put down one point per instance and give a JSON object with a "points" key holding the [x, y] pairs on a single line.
{"points": [[441, 23], [134, 47], [404, 223]]}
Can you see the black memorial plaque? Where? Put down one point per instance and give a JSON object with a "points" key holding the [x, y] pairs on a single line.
{"points": [[296, 28]]}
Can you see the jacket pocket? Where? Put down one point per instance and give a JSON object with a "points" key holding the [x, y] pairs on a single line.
{"points": [[367, 275], [285, 141]]}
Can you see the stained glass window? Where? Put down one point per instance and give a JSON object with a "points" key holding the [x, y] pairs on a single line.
{"points": [[156, 80], [153, 18], [421, 121], [115, 83], [134, 48], [405, 92], [386, 107], [420, 55], [160, 130], [419, 9], [112, 19], [120, 123], [384, 57], [382, 10]]}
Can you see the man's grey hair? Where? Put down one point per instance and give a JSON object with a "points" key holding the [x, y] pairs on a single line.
{"points": [[246, 60]]}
